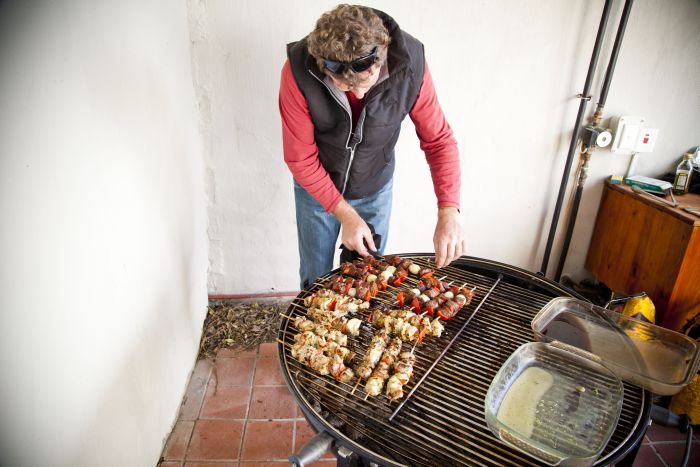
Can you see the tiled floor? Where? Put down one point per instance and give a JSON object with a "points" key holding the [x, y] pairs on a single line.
{"points": [[238, 412], [664, 447]]}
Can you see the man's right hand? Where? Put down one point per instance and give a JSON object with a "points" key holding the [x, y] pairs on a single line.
{"points": [[354, 231]]}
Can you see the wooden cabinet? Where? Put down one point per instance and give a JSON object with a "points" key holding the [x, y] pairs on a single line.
{"points": [[642, 245]]}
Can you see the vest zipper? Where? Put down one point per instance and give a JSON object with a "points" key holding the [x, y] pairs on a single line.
{"points": [[347, 142]]}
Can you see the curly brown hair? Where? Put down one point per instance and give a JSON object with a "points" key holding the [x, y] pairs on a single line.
{"points": [[346, 33]]}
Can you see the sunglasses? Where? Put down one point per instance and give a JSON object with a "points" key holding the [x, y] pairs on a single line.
{"points": [[358, 66]]}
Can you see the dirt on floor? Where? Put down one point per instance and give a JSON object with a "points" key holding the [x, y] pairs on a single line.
{"points": [[240, 326]]}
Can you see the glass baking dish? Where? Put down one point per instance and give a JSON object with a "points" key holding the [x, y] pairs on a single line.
{"points": [[554, 402], [559, 399], [655, 358]]}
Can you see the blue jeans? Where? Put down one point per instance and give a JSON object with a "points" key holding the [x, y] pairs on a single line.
{"points": [[318, 231]]}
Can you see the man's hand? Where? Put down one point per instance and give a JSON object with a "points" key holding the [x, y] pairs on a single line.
{"points": [[449, 239], [354, 230]]}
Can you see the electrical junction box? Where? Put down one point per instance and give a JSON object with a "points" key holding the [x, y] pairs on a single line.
{"points": [[627, 135]]}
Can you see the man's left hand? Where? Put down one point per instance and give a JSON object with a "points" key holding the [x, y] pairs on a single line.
{"points": [[449, 239]]}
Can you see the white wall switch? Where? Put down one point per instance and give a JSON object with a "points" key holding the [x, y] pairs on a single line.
{"points": [[627, 134]]}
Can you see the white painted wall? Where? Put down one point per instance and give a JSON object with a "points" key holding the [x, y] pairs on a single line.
{"points": [[103, 241], [507, 74]]}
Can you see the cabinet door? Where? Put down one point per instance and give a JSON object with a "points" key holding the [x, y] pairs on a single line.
{"points": [[638, 247]]}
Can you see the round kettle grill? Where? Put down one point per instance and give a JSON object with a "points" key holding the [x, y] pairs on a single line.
{"points": [[440, 422]]}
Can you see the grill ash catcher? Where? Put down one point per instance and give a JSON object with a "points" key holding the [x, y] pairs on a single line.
{"points": [[443, 422]]}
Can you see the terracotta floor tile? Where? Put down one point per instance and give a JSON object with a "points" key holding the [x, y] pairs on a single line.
{"points": [[271, 402], [658, 432], [266, 441], [215, 439], [268, 350], [646, 457], [264, 464], [226, 402], [234, 371], [304, 433], [323, 463], [268, 372], [170, 464], [194, 395], [211, 464], [672, 453], [176, 446], [237, 353]]}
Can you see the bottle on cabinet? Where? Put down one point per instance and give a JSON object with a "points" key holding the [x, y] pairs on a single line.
{"points": [[684, 171]]}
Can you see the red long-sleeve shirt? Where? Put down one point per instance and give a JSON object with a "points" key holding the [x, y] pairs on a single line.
{"points": [[301, 153]]}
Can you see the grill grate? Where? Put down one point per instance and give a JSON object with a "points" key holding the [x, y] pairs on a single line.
{"points": [[443, 423]]}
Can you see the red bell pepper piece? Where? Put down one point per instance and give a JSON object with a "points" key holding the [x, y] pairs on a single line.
{"points": [[400, 299], [400, 277], [415, 305]]}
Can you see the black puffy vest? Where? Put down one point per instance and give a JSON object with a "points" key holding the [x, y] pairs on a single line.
{"points": [[360, 164]]}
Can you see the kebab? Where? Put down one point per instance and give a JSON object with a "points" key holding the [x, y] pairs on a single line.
{"points": [[403, 370], [446, 302], [324, 351], [374, 353], [405, 324], [326, 299], [375, 383], [376, 270], [361, 288], [408, 265], [317, 359], [319, 321], [321, 338]]}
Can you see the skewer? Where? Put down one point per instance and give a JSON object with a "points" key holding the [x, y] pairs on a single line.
{"points": [[437, 360], [356, 385]]}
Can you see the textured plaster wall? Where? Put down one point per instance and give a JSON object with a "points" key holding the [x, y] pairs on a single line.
{"points": [[507, 74], [102, 238]]}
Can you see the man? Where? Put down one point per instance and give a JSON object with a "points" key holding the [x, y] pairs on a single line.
{"points": [[344, 91]]}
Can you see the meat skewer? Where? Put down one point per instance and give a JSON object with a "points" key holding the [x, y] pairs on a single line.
{"points": [[375, 383], [353, 287], [332, 301], [318, 320], [446, 302], [374, 353], [403, 370], [391, 270], [405, 324], [318, 359]]}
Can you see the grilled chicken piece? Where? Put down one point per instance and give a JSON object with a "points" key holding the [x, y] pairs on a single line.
{"points": [[353, 327], [436, 328], [394, 388]]}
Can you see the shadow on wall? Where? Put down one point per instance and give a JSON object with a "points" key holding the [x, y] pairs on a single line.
{"points": [[144, 384]]}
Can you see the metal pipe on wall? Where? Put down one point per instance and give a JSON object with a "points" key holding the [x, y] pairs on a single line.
{"points": [[586, 152], [574, 138]]}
